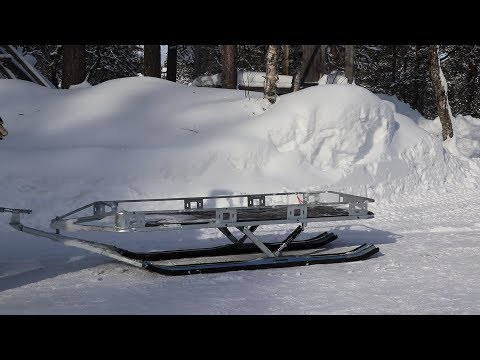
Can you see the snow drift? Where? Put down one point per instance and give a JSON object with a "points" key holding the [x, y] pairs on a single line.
{"points": [[244, 78], [145, 137]]}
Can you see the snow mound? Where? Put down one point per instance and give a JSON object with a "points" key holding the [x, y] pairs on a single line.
{"points": [[244, 78], [144, 137], [466, 129], [82, 85], [331, 127], [208, 81], [335, 77]]}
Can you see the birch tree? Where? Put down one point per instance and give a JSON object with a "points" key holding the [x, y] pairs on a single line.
{"points": [[3, 131], [441, 93], [271, 76]]}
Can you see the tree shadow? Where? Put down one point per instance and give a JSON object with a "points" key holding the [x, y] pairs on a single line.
{"points": [[51, 270], [355, 235]]}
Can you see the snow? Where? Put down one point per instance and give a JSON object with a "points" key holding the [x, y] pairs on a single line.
{"points": [[244, 78], [150, 138], [335, 77], [30, 59], [84, 84], [466, 129]]}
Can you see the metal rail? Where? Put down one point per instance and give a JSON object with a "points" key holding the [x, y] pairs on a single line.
{"points": [[194, 212]]}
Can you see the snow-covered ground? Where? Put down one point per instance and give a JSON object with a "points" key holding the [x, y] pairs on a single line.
{"points": [[149, 138], [244, 78]]}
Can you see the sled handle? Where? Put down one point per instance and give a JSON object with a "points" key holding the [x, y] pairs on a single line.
{"points": [[18, 211]]}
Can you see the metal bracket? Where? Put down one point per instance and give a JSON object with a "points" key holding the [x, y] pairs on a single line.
{"points": [[357, 209], [98, 208], [15, 218], [188, 203], [297, 211], [251, 200], [225, 216]]}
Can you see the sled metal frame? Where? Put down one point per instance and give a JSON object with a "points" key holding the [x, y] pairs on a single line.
{"points": [[246, 219], [151, 220], [137, 220]]}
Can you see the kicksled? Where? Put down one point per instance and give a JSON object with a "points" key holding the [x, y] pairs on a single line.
{"points": [[246, 213]]}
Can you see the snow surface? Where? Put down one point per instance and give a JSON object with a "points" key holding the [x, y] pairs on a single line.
{"points": [[244, 78], [84, 84], [466, 129], [335, 77], [149, 138]]}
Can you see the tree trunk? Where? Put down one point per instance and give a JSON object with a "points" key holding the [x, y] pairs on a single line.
{"points": [[271, 76], [441, 93], [172, 63], [349, 62], [151, 61], [3, 131], [286, 56], [311, 63], [297, 76], [296, 80], [73, 65], [322, 67], [310, 67], [229, 66]]}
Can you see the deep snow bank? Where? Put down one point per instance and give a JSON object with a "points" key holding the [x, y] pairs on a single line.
{"points": [[244, 78], [466, 129], [145, 137]]}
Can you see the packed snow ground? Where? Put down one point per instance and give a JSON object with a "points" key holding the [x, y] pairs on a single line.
{"points": [[148, 138]]}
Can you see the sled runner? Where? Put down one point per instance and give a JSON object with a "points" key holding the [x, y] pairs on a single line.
{"points": [[246, 213]]}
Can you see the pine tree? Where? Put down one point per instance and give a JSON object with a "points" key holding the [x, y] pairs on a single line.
{"points": [[172, 63], [152, 61], [103, 62], [251, 57], [73, 65], [198, 60], [229, 66], [106, 62]]}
